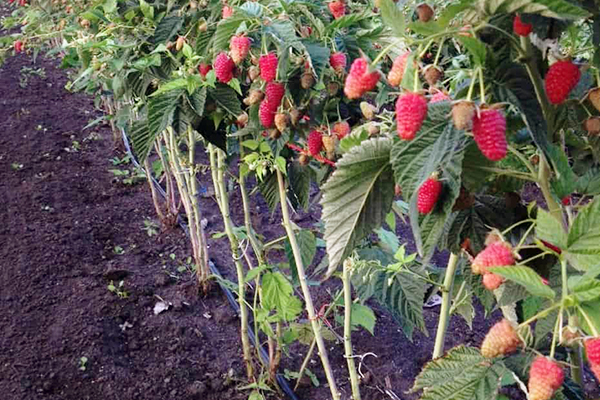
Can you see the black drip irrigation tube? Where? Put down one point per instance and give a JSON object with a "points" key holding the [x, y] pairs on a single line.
{"points": [[283, 383]]}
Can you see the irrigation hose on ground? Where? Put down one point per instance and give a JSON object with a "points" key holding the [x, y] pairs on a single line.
{"points": [[283, 383]]}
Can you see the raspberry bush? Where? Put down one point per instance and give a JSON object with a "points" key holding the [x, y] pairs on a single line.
{"points": [[453, 116]]}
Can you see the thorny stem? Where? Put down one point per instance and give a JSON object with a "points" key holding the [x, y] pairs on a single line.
{"points": [[305, 289], [575, 355], [238, 264], [513, 226], [354, 382], [439, 52], [481, 86], [555, 333], [539, 315], [524, 237], [153, 192], [543, 254], [472, 85], [522, 158], [440, 335], [313, 343]]}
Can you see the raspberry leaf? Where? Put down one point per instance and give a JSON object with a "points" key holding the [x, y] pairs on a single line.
{"points": [[462, 374], [393, 17], [398, 290], [438, 146], [526, 277], [357, 197]]}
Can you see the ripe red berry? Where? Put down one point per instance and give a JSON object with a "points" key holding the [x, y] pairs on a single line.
{"points": [[566, 201], [239, 47], [496, 254], [411, 110], [545, 377], [338, 61], [223, 66], [359, 79], [561, 78], [341, 129], [337, 8], [501, 339], [268, 66], [203, 68], [489, 131], [492, 281], [226, 12], [521, 28], [592, 349], [18, 46], [266, 114], [397, 72], [315, 142], [275, 92], [428, 195], [439, 97]]}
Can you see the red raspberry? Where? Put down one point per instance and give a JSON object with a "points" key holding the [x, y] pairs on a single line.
{"points": [[439, 97], [338, 61], [545, 377], [226, 12], [492, 281], [501, 339], [359, 79], [315, 142], [266, 113], [275, 92], [341, 129], [239, 47], [496, 254], [397, 72], [268, 66], [428, 195], [411, 110], [337, 8], [561, 78], [203, 68], [489, 131], [566, 201], [223, 66], [592, 349], [521, 28], [18, 46]]}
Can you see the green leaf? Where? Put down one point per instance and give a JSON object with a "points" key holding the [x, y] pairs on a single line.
{"points": [[308, 248], [437, 147], [425, 28], [526, 277], [550, 229], [161, 111], [462, 374], [299, 180], [589, 316], [408, 78], [589, 183], [226, 98], [393, 17], [475, 222], [475, 47], [147, 10], [587, 290], [252, 9], [110, 6], [452, 11], [402, 292], [167, 28], [278, 294], [558, 9], [583, 243], [319, 57], [356, 198], [254, 273], [363, 316], [170, 85]]}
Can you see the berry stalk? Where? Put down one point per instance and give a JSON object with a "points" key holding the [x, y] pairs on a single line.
{"points": [[348, 330], [440, 335], [310, 309]]}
